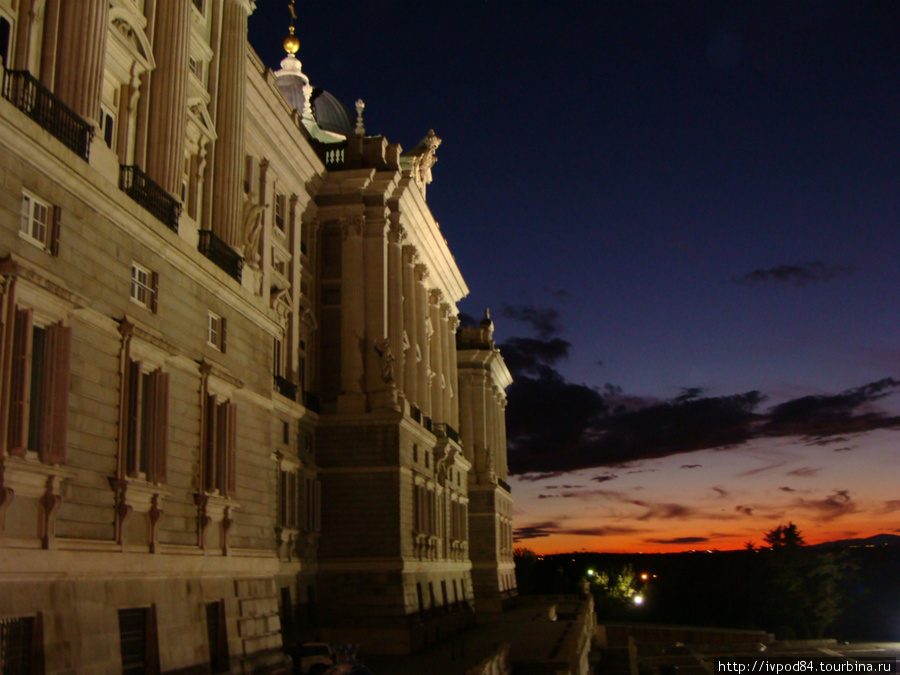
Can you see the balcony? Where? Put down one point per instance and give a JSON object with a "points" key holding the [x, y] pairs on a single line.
{"points": [[333, 155], [146, 192], [502, 483], [285, 387], [221, 254], [31, 97]]}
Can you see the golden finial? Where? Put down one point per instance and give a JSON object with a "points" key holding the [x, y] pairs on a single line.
{"points": [[291, 43]]}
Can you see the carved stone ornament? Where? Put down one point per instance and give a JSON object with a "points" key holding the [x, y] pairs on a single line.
{"points": [[352, 226], [251, 228], [424, 158], [386, 355], [281, 303]]}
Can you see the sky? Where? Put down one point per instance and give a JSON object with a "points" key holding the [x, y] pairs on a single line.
{"points": [[684, 218]]}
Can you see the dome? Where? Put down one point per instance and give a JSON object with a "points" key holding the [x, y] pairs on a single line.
{"points": [[331, 115], [291, 80]]}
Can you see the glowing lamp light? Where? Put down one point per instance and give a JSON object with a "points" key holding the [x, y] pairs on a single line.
{"points": [[645, 576], [639, 600], [590, 573]]}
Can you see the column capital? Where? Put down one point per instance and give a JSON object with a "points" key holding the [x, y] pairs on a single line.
{"points": [[435, 297], [247, 5], [421, 272], [352, 227], [396, 233], [445, 310], [454, 322]]}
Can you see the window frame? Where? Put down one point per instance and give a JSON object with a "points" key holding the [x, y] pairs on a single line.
{"points": [[215, 335], [27, 219], [149, 285]]}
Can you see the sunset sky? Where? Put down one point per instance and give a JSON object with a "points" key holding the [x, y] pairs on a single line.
{"points": [[684, 217]]}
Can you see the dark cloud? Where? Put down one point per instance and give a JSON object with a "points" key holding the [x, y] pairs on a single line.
{"points": [[691, 466], [544, 529], [891, 506], [846, 448], [678, 540], [719, 491], [804, 472], [572, 487], [538, 475], [534, 358], [663, 511], [787, 489], [544, 320], [548, 528], [602, 478], [801, 274], [837, 504], [827, 440], [746, 510], [762, 469]]}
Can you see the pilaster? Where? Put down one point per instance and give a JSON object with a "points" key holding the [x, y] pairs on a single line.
{"points": [[423, 335], [396, 300], [437, 393], [352, 398]]}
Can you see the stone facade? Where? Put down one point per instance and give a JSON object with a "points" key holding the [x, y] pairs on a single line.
{"points": [[230, 386]]}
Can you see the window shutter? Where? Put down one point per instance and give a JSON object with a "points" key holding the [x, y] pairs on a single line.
{"points": [[159, 422], [132, 417], [154, 285], [56, 401], [222, 334], [55, 223], [229, 448], [21, 377], [209, 469]]}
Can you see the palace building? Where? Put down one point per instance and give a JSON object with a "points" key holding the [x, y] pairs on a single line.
{"points": [[236, 405]]}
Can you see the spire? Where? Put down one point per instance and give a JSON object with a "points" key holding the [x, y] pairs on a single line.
{"points": [[291, 43]]}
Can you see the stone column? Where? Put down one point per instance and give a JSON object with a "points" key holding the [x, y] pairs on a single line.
{"points": [[503, 465], [480, 437], [81, 55], [229, 150], [437, 347], [168, 94], [454, 373], [396, 301], [50, 43], [445, 362], [423, 382], [379, 367], [352, 398], [411, 363]]}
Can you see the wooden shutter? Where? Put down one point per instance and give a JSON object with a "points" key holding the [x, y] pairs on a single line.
{"points": [[156, 434], [58, 349], [132, 404], [154, 286], [53, 240], [229, 448], [209, 455], [20, 381], [222, 334]]}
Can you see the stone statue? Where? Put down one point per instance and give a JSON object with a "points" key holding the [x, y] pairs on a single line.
{"points": [[252, 228], [383, 349]]}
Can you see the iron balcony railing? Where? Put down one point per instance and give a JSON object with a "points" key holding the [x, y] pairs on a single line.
{"points": [[416, 414], [502, 483], [150, 195], [221, 254], [34, 99], [285, 387]]}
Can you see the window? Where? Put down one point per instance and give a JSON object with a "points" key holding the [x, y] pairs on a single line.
{"points": [[39, 388], [138, 640], [39, 222], [279, 211], [215, 331], [198, 5], [219, 446], [218, 637], [5, 41], [146, 406], [196, 65], [289, 499], [144, 285], [108, 126], [312, 517], [19, 644], [278, 357]]}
